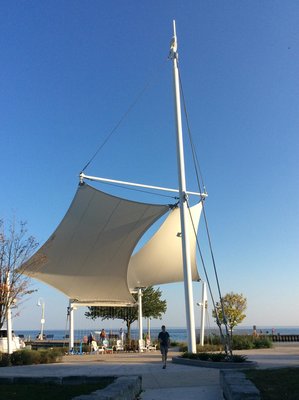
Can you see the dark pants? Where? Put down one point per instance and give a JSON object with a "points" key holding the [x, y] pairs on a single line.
{"points": [[164, 351]]}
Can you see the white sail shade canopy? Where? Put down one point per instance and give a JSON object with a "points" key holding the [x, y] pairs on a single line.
{"points": [[87, 256], [160, 259]]}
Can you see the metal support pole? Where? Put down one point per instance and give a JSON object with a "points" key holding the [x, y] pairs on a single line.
{"points": [[41, 303], [71, 326], [8, 317], [140, 328], [149, 328], [203, 313], [183, 204], [97, 178]]}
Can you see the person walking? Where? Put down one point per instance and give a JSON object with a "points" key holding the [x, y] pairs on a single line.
{"points": [[164, 344]]}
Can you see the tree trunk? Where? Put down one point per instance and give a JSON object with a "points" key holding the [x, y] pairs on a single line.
{"points": [[128, 330]]}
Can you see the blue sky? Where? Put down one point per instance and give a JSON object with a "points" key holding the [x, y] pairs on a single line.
{"points": [[69, 71]]}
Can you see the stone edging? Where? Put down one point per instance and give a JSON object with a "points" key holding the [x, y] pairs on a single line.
{"points": [[236, 386], [123, 388], [213, 364]]}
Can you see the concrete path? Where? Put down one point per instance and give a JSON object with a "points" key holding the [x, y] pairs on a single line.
{"points": [[281, 355], [175, 382]]}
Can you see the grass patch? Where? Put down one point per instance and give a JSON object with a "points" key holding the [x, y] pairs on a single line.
{"points": [[276, 384], [48, 391]]}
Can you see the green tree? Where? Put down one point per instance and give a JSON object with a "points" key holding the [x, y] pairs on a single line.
{"points": [[16, 246], [234, 305], [152, 307]]}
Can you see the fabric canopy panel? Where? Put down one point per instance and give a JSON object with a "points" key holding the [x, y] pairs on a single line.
{"points": [[87, 257], [160, 259]]}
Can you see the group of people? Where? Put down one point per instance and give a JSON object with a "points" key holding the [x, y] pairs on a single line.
{"points": [[91, 338], [163, 338]]}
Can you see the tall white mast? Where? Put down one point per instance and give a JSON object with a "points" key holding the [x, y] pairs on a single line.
{"points": [[183, 203]]}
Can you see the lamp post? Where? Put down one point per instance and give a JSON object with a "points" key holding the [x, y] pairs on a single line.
{"points": [[41, 304], [203, 306], [138, 290], [70, 312], [8, 317], [149, 329]]}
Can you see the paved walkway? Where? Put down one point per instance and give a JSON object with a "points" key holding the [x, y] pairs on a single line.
{"points": [[175, 382], [281, 355]]}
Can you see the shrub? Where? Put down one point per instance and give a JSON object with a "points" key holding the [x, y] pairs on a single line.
{"points": [[85, 348], [215, 357], [238, 358], [202, 349], [213, 339], [218, 357], [28, 357], [61, 351], [4, 360], [241, 342], [209, 347], [50, 356], [262, 342], [25, 357], [183, 347]]}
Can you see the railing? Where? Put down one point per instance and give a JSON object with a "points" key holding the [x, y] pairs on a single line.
{"points": [[284, 338]]}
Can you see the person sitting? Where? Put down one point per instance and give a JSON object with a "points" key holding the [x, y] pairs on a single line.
{"points": [[95, 348], [90, 338], [103, 335]]}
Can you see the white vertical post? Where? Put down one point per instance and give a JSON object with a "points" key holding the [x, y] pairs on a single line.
{"points": [[203, 313], [42, 321], [140, 328], [41, 304], [183, 204], [149, 328], [9, 330], [8, 317], [71, 326]]}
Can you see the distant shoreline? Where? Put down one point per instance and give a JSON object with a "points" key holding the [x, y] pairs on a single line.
{"points": [[176, 334], [238, 328]]}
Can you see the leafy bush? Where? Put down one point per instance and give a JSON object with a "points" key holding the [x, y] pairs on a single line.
{"points": [[25, 357], [238, 358], [214, 357], [212, 339], [183, 347], [209, 347], [239, 342], [242, 342], [262, 342], [61, 351], [50, 356], [28, 357], [4, 359], [85, 348]]}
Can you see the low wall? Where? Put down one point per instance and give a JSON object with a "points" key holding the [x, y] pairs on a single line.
{"points": [[284, 338]]}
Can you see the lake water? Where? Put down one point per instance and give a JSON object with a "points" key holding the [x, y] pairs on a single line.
{"points": [[176, 334]]}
